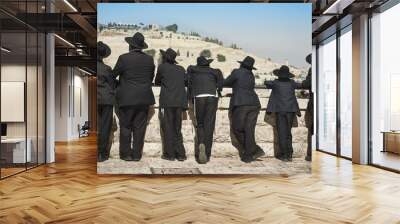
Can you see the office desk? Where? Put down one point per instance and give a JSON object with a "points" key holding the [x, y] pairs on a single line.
{"points": [[13, 150], [391, 142]]}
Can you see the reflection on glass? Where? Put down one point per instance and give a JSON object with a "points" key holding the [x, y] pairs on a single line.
{"points": [[327, 96], [41, 98], [385, 86], [346, 93], [31, 97], [22, 88], [14, 153]]}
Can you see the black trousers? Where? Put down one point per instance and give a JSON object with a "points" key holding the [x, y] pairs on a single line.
{"points": [[205, 112], [104, 126], [244, 121], [309, 117], [284, 122], [132, 121], [309, 143], [171, 125]]}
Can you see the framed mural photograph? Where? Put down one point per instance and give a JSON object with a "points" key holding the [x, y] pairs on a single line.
{"points": [[203, 88]]}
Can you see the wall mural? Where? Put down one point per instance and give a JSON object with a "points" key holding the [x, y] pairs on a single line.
{"points": [[204, 88]]}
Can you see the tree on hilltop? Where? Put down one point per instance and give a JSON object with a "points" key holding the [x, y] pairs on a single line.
{"points": [[172, 28], [221, 58]]}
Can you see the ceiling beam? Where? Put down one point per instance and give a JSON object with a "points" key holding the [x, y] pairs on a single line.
{"points": [[89, 30]]}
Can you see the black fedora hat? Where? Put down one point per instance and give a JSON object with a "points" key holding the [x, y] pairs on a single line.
{"points": [[308, 59], [137, 41], [283, 72], [248, 62], [201, 60], [103, 50], [169, 55]]}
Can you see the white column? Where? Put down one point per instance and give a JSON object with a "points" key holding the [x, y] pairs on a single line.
{"points": [[360, 90], [50, 93], [314, 90]]}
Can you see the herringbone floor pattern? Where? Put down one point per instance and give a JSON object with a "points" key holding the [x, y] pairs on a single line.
{"points": [[70, 191]]}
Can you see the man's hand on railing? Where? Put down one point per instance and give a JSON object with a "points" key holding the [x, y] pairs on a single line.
{"points": [[228, 95]]}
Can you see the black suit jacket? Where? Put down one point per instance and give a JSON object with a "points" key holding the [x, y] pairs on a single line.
{"points": [[283, 97], [307, 84], [242, 82], [204, 80], [173, 80], [105, 85], [309, 117], [136, 72]]}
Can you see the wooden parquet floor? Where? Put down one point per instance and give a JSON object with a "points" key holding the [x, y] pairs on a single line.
{"points": [[70, 191]]}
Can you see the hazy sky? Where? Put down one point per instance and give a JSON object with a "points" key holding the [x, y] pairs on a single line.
{"points": [[279, 31]]}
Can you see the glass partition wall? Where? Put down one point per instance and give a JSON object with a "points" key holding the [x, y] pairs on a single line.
{"points": [[385, 89], [327, 96], [334, 94], [345, 108], [22, 98]]}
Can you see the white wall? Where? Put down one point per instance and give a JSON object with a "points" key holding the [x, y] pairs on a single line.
{"points": [[71, 87]]}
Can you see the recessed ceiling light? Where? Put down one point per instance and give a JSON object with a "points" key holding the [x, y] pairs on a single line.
{"points": [[5, 50], [70, 5], [64, 40], [84, 71]]}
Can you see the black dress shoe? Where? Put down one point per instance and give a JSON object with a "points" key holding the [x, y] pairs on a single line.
{"points": [[181, 158], [280, 157], [101, 158], [167, 158], [136, 159], [128, 158], [308, 158], [259, 153], [247, 159]]}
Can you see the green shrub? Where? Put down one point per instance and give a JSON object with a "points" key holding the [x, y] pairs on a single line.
{"points": [[172, 28], [221, 58]]}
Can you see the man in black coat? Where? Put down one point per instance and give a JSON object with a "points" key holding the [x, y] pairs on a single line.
{"points": [[284, 104], [105, 102], [173, 100], [135, 70], [309, 116], [205, 85], [245, 107]]}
